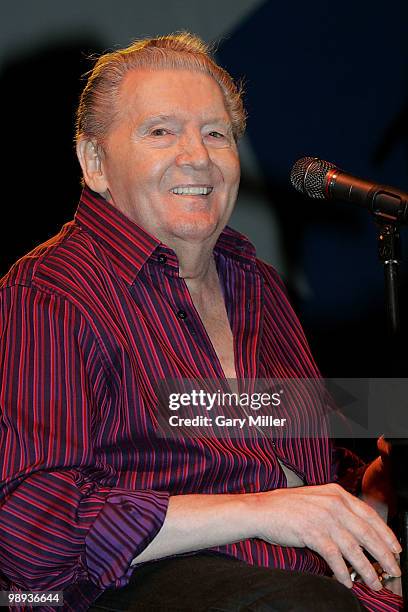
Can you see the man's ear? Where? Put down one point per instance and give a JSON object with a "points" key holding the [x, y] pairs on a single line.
{"points": [[89, 156]]}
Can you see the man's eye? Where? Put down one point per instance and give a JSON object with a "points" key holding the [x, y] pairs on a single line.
{"points": [[216, 134], [159, 132]]}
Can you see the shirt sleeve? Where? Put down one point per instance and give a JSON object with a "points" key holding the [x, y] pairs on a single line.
{"points": [[62, 520]]}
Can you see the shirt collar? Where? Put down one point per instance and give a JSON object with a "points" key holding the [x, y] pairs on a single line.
{"points": [[236, 245], [130, 246]]}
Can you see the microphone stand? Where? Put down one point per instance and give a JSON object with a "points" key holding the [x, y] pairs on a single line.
{"points": [[389, 251]]}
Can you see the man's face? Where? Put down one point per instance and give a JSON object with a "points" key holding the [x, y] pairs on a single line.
{"points": [[171, 162]]}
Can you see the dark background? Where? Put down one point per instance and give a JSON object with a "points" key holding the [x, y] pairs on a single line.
{"points": [[321, 79], [331, 82]]}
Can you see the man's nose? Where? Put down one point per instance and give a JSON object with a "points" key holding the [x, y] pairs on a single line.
{"points": [[193, 152]]}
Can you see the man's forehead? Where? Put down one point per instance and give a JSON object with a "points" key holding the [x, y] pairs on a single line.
{"points": [[166, 92], [142, 74]]}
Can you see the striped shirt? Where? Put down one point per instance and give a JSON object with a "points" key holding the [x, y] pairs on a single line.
{"points": [[90, 322]]}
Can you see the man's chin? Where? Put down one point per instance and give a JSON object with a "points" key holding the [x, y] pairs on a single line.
{"points": [[199, 235], [197, 231]]}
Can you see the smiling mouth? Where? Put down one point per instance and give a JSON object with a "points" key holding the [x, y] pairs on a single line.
{"points": [[196, 190]]}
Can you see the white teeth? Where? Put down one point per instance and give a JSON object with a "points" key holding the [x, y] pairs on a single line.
{"points": [[192, 190]]}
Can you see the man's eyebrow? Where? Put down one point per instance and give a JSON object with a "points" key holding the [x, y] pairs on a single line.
{"points": [[154, 120], [149, 121], [219, 121]]}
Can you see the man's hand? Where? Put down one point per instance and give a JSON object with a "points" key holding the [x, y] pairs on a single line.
{"points": [[324, 518], [392, 584], [332, 522]]}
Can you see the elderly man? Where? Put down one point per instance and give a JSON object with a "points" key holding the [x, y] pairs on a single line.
{"points": [[147, 284]]}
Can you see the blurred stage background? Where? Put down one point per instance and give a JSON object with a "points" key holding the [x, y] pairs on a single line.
{"points": [[321, 79]]}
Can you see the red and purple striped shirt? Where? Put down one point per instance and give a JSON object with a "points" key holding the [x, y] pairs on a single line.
{"points": [[90, 322]]}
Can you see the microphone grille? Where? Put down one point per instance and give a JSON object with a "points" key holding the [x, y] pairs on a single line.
{"points": [[308, 176]]}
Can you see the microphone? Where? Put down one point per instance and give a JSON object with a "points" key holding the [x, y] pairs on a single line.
{"points": [[322, 180]]}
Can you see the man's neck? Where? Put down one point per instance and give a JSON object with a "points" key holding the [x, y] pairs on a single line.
{"points": [[196, 265]]}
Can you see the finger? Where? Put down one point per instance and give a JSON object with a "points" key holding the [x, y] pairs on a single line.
{"points": [[365, 512], [356, 516], [375, 546], [333, 557], [368, 537], [394, 585], [352, 552]]}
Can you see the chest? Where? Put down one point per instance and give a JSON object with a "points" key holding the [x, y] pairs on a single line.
{"points": [[185, 338], [155, 331], [214, 319]]}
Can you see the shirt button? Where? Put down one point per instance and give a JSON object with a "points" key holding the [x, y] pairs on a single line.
{"points": [[182, 314], [162, 259]]}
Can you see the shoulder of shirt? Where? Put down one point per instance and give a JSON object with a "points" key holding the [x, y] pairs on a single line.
{"points": [[52, 265], [270, 275], [237, 245]]}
